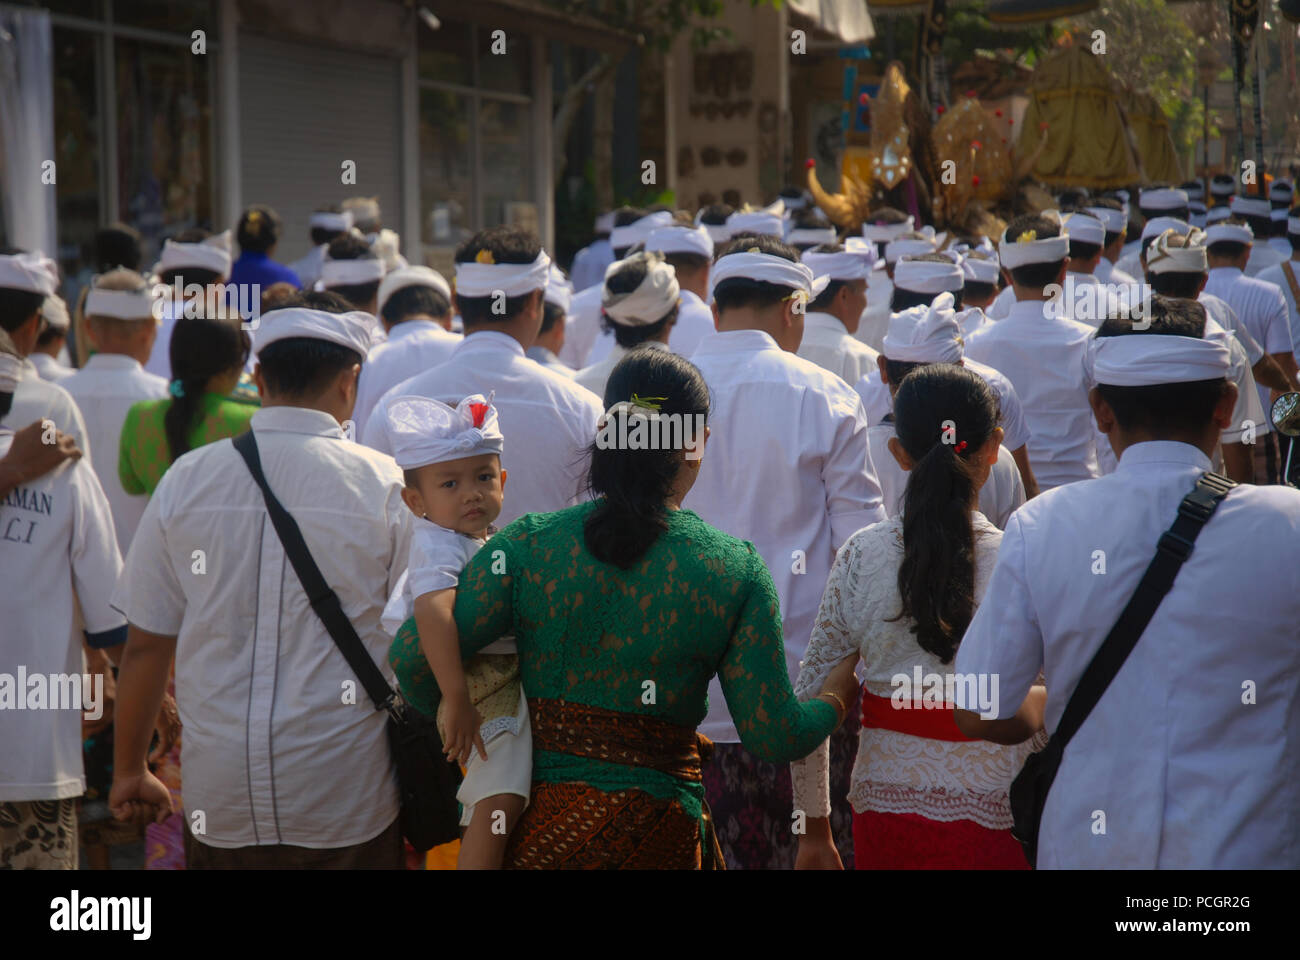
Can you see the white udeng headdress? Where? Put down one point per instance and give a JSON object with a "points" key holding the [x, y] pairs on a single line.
{"points": [[213, 254], [925, 334], [351, 329], [422, 431], [483, 278], [845, 265], [1146, 359], [1026, 248], [650, 301], [928, 276], [1162, 258], [122, 304], [767, 268], [33, 272], [346, 273]]}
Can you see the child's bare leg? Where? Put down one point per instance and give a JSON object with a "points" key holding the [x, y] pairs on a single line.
{"points": [[484, 845]]}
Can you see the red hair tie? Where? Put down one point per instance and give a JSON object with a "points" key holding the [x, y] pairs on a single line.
{"points": [[960, 447]]}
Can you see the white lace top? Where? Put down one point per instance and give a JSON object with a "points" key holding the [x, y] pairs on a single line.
{"points": [[897, 772]]}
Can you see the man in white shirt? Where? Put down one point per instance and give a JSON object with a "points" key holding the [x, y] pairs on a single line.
{"points": [[555, 310], [353, 270], [1159, 204], [327, 222], [198, 259], [1261, 309], [641, 301], [414, 305], [918, 337], [788, 469], [880, 285], [1257, 214], [1041, 352], [833, 318], [1286, 276], [26, 279], [549, 421], [285, 755], [1190, 758], [591, 262], [51, 352], [57, 554], [689, 251], [121, 328]]}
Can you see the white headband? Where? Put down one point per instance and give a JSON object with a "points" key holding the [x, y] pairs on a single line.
{"points": [[813, 235], [404, 277], [1163, 199], [344, 273], [766, 268], [1293, 225], [980, 271], [1158, 225], [32, 272], [1146, 359], [906, 247], [925, 334], [757, 221], [55, 312], [925, 276], [865, 249], [121, 304], [677, 239], [620, 238], [325, 220], [1086, 228], [1250, 206], [1017, 254], [1162, 258], [883, 233], [650, 301], [1215, 214], [210, 254], [1113, 220], [1223, 188], [1278, 214], [1230, 232], [559, 291], [422, 431], [513, 279], [351, 329], [845, 265]]}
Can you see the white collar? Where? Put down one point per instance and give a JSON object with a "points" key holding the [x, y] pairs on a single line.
{"points": [[1140, 455], [1082, 277], [1225, 271], [315, 423], [484, 340], [112, 361], [1034, 311], [736, 341], [407, 327], [824, 321], [690, 297]]}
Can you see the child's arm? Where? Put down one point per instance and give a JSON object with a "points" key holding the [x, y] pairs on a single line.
{"points": [[440, 643]]}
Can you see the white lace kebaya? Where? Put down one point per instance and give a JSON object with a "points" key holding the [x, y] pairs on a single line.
{"points": [[897, 772]]}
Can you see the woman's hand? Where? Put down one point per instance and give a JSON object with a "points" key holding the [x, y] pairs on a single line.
{"points": [[842, 682], [817, 847], [461, 723]]}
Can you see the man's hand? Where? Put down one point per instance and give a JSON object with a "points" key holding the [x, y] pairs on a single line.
{"points": [[30, 456], [461, 722], [140, 800]]}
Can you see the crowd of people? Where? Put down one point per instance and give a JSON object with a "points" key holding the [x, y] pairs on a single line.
{"points": [[941, 462]]}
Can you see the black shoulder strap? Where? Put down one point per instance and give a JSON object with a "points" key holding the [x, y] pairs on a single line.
{"points": [[323, 599], [1175, 547]]}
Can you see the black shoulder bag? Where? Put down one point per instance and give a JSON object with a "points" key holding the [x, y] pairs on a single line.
{"points": [[426, 779], [1030, 788]]}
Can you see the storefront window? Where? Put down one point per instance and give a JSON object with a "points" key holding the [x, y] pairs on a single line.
{"points": [[173, 16], [446, 54], [503, 62], [507, 172], [77, 138], [446, 176], [163, 131]]}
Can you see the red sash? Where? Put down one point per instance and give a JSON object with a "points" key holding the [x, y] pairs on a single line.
{"points": [[933, 724]]}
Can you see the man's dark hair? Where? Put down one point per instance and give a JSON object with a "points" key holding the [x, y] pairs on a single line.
{"points": [[1167, 409], [299, 367], [688, 262], [1075, 197], [886, 217], [320, 235], [1083, 251], [1108, 203], [898, 369], [188, 275], [1184, 286], [739, 292], [552, 313], [258, 230], [117, 245], [716, 214], [827, 297], [17, 306], [506, 245], [625, 280], [348, 246], [1230, 249], [1035, 275], [976, 290], [415, 300]]}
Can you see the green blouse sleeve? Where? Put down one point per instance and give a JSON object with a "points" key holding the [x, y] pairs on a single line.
{"points": [[773, 725], [125, 472], [485, 595]]}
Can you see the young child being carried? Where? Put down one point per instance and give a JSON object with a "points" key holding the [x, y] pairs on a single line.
{"points": [[451, 458]]}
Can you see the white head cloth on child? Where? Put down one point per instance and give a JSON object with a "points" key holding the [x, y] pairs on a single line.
{"points": [[422, 431]]}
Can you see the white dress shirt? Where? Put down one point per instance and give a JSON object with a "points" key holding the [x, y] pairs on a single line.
{"points": [[582, 326], [1130, 264], [282, 745], [1262, 256], [36, 399], [548, 420], [1260, 308], [1278, 275], [590, 264], [308, 266], [57, 551], [1001, 305], [1002, 492], [1042, 354], [49, 368], [595, 376], [412, 347], [878, 402], [1108, 272], [105, 389], [694, 323], [549, 360], [787, 467], [1222, 314], [1282, 245], [1193, 752], [828, 344]]}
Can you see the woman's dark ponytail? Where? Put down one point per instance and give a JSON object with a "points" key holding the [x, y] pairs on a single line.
{"points": [[200, 349], [943, 416], [634, 485]]}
